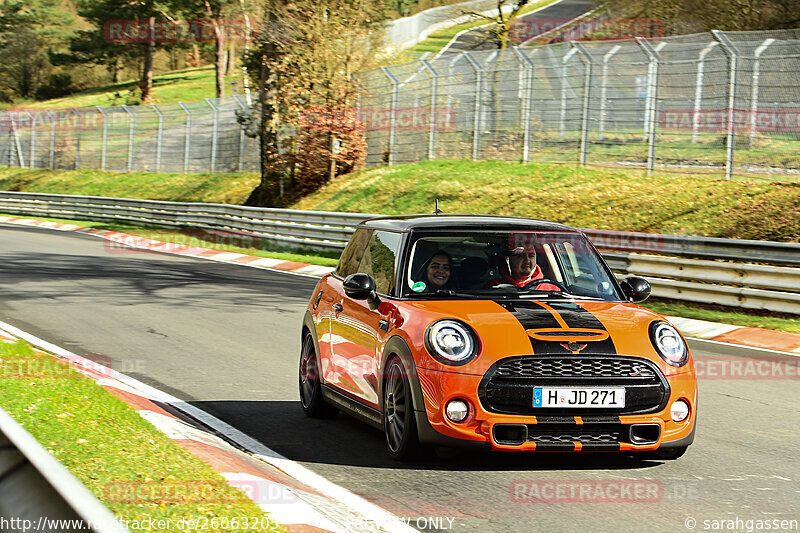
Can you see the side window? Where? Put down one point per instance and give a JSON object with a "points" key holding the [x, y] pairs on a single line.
{"points": [[353, 253], [379, 260]]}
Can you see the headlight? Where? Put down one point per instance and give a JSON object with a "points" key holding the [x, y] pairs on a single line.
{"points": [[451, 342], [669, 344]]}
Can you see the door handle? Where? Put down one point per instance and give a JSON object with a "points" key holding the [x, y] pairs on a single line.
{"points": [[338, 308]]}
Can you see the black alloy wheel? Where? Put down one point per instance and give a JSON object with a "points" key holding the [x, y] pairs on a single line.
{"points": [[311, 399], [400, 427]]}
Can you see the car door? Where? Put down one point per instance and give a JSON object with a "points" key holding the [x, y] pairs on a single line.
{"points": [[331, 341], [357, 328]]}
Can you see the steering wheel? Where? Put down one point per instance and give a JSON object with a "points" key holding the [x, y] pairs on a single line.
{"points": [[535, 283]]}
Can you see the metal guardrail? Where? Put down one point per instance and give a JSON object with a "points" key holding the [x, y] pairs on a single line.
{"points": [[704, 272], [37, 493]]}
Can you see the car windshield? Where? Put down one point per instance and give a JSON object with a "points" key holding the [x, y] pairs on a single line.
{"points": [[506, 264]]}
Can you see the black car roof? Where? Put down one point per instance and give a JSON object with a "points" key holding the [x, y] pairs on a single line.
{"points": [[461, 222]]}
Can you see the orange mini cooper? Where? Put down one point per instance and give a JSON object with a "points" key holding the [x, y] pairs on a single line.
{"points": [[503, 332]]}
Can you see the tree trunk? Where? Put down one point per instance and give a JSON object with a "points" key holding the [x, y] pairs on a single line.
{"points": [[220, 63], [195, 59], [147, 71], [270, 192], [231, 60]]}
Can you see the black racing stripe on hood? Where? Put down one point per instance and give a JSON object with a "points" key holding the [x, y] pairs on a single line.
{"points": [[533, 315]]}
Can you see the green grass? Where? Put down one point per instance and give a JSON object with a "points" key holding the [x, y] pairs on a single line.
{"points": [[582, 197], [187, 85], [109, 447], [211, 188], [439, 39]]}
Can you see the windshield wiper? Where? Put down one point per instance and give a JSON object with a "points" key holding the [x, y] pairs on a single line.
{"points": [[450, 292]]}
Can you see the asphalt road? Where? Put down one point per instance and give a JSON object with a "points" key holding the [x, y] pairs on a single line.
{"points": [[226, 338], [479, 38]]}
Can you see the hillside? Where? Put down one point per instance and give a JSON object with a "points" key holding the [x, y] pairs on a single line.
{"points": [[583, 197]]}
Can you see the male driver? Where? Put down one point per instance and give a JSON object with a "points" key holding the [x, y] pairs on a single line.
{"points": [[520, 269]]}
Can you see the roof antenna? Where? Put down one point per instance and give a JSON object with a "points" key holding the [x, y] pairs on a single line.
{"points": [[437, 211]]}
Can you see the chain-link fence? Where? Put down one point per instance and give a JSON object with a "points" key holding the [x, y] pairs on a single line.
{"points": [[203, 136], [724, 103], [713, 102]]}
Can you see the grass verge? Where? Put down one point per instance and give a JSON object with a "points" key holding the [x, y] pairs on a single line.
{"points": [[613, 199], [439, 39], [725, 315], [210, 188], [134, 469], [186, 85]]}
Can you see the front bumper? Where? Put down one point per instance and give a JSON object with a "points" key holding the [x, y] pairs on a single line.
{"points": [[577, 431]]}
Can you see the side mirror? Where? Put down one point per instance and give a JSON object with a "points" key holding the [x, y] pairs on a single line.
{"points": [[636, 289], [359, 286]]}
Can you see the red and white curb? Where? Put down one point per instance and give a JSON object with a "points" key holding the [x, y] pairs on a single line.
{"points": [[124, 241], [764, 339], [295, 497]]}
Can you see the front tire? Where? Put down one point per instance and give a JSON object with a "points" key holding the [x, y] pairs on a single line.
{"points": [[399, 423], [311, 399]]}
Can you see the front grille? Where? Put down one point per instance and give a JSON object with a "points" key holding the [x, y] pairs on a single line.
{"points": [[573, 433], [559, 434], [574, 367], [507, 387]]}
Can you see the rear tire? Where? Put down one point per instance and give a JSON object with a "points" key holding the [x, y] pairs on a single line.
{"points": [[311, 399], [399, 422]]}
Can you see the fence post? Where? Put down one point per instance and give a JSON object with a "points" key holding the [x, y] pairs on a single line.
{"points": [[393, 116], [652, 96], [241, 133], [563, 118], [214, 131], [732, 52], [476, 123], [652, 86], [132, 125], [698, 91], [159, 136], [754, 90], [78, 138], [432, 115], [587, 87], [187, 145], [32, 158], [604, 90], [104, 142], [527, 101], [52, 140], [17, 143]]}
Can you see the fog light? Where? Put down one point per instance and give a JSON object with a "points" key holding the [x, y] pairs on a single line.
{"points": [[680, 410], [457, 410]]}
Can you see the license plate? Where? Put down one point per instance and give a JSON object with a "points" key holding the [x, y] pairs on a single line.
{"points": [[578, 397]]}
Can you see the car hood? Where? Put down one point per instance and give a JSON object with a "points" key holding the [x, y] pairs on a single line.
{"points": [[530, 327]]}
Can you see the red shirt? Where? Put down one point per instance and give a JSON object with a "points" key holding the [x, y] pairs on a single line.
{"points": [[536, 274]]}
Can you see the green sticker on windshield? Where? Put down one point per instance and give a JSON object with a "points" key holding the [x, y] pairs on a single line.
{"points": [[418, 286]]}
